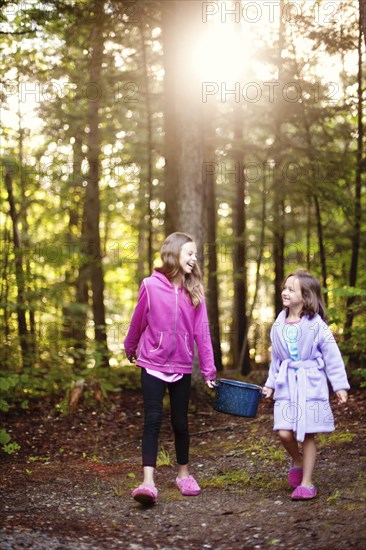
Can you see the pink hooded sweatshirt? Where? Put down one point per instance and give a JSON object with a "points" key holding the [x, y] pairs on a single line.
{"points": [[164, 327]]}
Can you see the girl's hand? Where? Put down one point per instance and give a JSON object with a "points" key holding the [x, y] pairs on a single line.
{"points": [[267, 391], [342, 396], [211, 383], [131, 358]]}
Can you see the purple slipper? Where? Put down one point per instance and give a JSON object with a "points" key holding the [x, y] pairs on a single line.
{"points": [[304, 493], [188, 486], [145, 494], [294, 476]]}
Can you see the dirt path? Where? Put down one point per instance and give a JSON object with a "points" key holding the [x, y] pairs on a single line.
{"points": [[69, 486]]}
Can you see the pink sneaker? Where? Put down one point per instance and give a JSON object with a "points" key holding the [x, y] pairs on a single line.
{"points": [[145, 494], [304, 493], [294, 476], [188, 486]]}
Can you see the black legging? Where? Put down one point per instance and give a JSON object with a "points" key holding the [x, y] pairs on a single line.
{"points": [[153, 390]]}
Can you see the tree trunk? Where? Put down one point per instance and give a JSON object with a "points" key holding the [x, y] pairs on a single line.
{"points": [[278, 204], [26, 239], [358, 184], [184, 153], [75, 315], [363, 19], [209, 181], [312, 157], [149, 147], [170, 46], [92, 189], [4, 299], [308, 233], [184, 189], [245, 348], [278, 251], [19, 273], [323, 261], [80, 314], [239, 258]]}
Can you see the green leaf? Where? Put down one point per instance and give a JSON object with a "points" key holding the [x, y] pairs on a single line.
{"points": [[4, 384], [11, 448], [4, 405], [4, 437], [349, 292]]}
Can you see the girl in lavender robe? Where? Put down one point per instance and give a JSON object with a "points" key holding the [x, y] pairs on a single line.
{"points": [[304, 355]]}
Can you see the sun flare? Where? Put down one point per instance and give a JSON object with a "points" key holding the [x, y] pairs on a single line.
{"points": [[222, 53]]}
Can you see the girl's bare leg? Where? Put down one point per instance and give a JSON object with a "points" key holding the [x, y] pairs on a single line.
{"points": [[183, 471], [309, 453], [149, 475], [291, 445]]}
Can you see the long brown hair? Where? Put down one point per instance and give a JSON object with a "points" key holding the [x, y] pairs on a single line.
{"points": [[311, 293], [170, 253]]}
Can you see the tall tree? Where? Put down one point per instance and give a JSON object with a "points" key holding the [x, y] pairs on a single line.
{"points": [[75, 313], [23, 219], [278, 224], [356, 233], [92, 189], [185, 195], [19, 271], [209, 181], [363, 17], [149, 144], [244, 347], [239, 259], [171, 133]]}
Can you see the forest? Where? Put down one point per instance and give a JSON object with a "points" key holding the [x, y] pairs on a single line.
{"points": [[240, 123]]}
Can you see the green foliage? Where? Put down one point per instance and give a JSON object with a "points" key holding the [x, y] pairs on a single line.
{"points": [[226, 478], [361, 374], [262, 450], [335, 438], [163, 458], [4, 437], [350, 292], [8, 446], [11, 448], [7, 384], [19, 390], [334, 497]]}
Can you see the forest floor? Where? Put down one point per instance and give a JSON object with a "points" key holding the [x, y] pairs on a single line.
{"points": [[69, 485]]}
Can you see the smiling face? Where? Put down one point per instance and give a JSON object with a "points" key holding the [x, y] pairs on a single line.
{"points": [[188, 257], [292, 295]]}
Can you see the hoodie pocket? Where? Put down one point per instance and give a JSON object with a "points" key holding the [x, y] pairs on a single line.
{"points": [[183, 354], [155, 347], [186, 342]]}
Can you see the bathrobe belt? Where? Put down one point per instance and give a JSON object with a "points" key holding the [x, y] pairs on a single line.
{"points": [[298, 391]]}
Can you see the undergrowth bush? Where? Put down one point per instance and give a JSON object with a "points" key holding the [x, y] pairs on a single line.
{"points": [[55, 382]]}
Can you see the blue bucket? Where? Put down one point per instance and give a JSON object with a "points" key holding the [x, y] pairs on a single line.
{"points": [[237, 398]]}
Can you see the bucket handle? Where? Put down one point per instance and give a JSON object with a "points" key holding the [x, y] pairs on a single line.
{"points": [[262, 394]]}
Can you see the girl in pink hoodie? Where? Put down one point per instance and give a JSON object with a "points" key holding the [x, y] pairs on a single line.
{"points": [[169, 318]]}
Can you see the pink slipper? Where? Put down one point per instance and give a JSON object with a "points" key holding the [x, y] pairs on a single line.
{"points": [[304, 493], [145, 494], [188, 486], [294, 476]]}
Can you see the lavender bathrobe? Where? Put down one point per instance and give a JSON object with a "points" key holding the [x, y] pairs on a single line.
{"points": [[301, 391]]}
